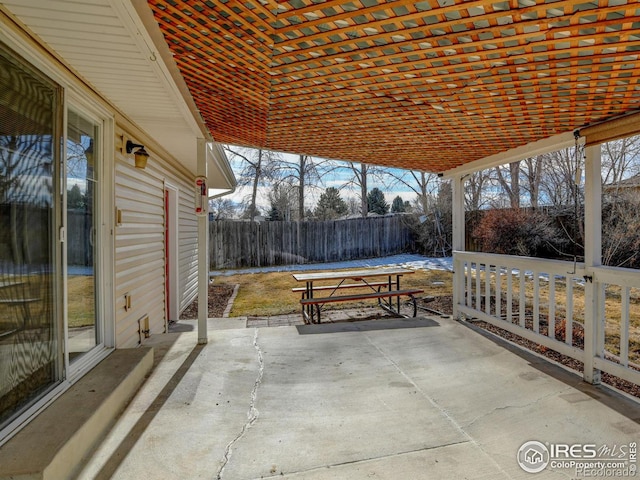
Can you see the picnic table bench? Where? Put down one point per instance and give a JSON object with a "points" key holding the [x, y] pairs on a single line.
{"points": [[387, 292]]}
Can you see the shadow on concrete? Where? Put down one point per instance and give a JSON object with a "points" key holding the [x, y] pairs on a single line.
{"points": [[366, 325], [181, 327], [127, 444], [608, 396]]}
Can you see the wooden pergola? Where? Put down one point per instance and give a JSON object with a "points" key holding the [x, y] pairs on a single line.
{"points": [[446, 86], [427, 85]]}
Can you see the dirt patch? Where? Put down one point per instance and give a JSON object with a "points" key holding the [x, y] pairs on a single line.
{"points": [[219, 296], [442, 304]]}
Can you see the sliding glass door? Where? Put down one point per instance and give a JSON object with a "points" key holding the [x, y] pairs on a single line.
{"points": [[83, 147], [50, 245], [30, 199]]}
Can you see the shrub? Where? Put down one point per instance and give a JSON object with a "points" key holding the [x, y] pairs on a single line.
{"points": [[577, 335], [517, 232], [432, 233], [621, 232]]}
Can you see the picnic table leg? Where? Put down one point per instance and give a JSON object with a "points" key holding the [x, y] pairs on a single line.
{"points": [[415, 305], [398, 287], [310, 296]]}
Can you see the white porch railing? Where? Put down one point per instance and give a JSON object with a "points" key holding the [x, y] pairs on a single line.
{"points": [[546, 302]]}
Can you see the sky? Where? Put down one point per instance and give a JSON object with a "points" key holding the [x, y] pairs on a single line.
{"points": [[338, 179]]}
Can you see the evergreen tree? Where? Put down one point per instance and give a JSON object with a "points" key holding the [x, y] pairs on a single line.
{"points": [[274, 213], [377, 203], [75, 199], [330, 205], [398, 205]]}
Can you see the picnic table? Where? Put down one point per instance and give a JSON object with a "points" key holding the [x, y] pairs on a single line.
{"points": [[382, 284]]}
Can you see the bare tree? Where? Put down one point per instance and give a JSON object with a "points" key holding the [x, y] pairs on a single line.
{"points": [[222, 207], [620, 158], [474, 188], [26, 166], [508, 177], [307, 173], [424, 185], [259, 167], [361, 173], [532, 174], [562, 169], [361, 176], [621, 202], [353, 206], [560, 186], [283, 199]]}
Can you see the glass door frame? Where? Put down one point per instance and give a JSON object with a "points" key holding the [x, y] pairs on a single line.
{"points": [[76, 95], [104, 235]]}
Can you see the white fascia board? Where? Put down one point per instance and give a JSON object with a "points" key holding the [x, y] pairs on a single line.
{"points": [[551, 144], [138, 19], [219, 172]]}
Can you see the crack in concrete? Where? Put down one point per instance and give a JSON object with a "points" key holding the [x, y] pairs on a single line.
{"points": [[252, 413], [366, 460], [507, 407]]}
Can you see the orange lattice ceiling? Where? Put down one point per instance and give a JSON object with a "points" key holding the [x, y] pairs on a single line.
{"points": [[424, 85]]}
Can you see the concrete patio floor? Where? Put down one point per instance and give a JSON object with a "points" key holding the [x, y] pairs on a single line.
{"points": [[424, 398]]}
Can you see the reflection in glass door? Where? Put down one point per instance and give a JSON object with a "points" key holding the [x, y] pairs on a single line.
{"points": [[30, 348], [82, 168]]}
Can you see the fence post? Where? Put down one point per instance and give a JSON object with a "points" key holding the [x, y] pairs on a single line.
{"points": [[593, 311]]}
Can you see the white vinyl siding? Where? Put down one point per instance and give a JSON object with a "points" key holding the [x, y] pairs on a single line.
{"points": [[140, 243], [187, 246]]}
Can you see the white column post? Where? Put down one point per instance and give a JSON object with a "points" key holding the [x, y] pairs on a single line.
{"points": [[593, 319], [203, 252], [457, 240]]}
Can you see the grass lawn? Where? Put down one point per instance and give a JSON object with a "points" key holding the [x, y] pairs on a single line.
{"points": [[81, 296], [266, 294], [612, 312]]}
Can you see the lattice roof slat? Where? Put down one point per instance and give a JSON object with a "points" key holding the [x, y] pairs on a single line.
{"points": [[427, 85]]}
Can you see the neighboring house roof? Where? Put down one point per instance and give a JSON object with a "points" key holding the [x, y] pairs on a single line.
{"points": [[626, 184], [631, 182]]}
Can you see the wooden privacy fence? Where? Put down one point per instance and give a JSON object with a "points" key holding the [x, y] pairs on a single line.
{"points": [[236, 244]]}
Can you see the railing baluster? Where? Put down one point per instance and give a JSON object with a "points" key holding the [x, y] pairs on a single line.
{"points": [[487, 289], [522, 302], [469, 278], [601, 292], [498, 291], [536, 302], [568, 335], [478, 297], [624, 326], [515, 289], [509, 294], [552, 306]]}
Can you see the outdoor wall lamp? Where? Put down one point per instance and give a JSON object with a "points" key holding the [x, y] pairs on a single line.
{"points": [[140, 156]]}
